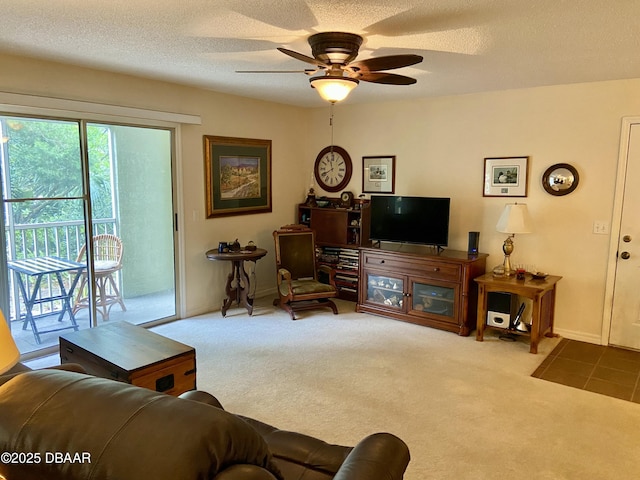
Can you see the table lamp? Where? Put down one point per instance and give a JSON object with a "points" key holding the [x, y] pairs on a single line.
{"points": [[9, 353], [514, 219]]}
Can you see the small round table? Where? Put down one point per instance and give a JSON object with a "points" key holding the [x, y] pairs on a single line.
{"points": [[241, 292]]}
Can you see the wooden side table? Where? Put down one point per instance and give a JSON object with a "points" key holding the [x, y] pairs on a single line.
{"points": [[241, 292], [541, 292]]}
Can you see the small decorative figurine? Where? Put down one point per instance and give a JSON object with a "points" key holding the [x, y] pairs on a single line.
{"points": [[311, 198]]}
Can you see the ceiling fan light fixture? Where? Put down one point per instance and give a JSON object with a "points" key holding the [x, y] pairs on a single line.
{"points": [[332, 88]]}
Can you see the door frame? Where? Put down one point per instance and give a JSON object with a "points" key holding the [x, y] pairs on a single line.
{"points": [[616, 219]]}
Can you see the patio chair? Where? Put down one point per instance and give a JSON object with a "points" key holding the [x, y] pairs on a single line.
{"points": [[107, 261], [298, 285]]}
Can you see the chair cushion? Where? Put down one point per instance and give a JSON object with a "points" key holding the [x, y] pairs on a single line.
{"points": [[306, 287], [105, 264]]}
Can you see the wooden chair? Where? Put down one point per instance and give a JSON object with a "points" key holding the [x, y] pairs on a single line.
{"points": [[298, 285], [107, 261]]}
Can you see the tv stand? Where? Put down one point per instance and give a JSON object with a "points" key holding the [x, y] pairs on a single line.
{"points": [[409, 247], [420, 284]]}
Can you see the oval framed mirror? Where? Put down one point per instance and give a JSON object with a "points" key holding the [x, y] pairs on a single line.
{"points": [[560, 179]]}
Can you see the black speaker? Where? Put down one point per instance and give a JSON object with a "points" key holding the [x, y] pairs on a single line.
{"points": [[501, 309], [474, 240]]}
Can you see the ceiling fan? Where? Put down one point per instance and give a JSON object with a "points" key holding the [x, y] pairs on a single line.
{"points": [[334, 54]]}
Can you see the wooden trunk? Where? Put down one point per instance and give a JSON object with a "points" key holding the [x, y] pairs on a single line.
{"points": [[131, 354]]}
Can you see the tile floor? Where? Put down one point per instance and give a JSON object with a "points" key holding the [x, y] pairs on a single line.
{"points": [[601, 369]]}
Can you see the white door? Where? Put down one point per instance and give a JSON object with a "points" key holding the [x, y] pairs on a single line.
{"points": [[625, 320]]}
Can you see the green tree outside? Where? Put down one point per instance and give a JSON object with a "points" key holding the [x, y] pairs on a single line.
{"points": [[43, 159]]}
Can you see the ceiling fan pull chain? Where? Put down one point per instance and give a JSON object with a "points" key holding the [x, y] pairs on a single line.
{"points": [[331, 125]]}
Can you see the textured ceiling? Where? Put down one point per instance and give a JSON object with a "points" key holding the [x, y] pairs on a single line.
{"points": [[468, 45]]}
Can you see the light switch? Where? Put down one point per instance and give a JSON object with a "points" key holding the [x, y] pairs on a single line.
{"points": [[600, 227]]}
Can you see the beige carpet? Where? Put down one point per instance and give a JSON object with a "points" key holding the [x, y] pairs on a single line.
{"points": [[467, 410]]}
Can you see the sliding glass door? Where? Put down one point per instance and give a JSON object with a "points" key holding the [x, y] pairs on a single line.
{"points": [[44, 216], [88, 226], [134, 193]]}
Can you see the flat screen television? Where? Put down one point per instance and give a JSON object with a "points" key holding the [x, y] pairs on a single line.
{"points": [[423, 220]]}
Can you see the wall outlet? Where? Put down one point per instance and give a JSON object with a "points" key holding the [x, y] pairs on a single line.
{"points": [[600, 227]]}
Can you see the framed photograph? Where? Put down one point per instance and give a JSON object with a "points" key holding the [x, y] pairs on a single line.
{"points": [[238, 175], [505, 177], [378, 174]]}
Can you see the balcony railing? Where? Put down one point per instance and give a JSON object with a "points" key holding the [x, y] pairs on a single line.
{"points": [[58, 239]]}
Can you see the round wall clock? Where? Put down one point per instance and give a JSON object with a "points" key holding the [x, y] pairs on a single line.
{"points": [[333, 168]]}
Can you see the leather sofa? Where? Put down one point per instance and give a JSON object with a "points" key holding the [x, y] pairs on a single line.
{"points": [[68, 425]]}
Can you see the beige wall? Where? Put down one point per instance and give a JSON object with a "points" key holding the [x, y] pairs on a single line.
{"points": [[440, 145], [223, 115]]}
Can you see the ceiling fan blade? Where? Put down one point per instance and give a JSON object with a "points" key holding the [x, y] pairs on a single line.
{"points": [[386, 78], [385, 63], [307, 71], [229, 45], [301, 57]]}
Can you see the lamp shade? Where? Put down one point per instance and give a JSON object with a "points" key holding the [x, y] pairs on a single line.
{"points": [[9, 353], [333, 88], [515, 219]]}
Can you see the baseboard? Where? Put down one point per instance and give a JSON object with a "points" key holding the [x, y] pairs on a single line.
{"points": [[579, 336], [267, 292]]}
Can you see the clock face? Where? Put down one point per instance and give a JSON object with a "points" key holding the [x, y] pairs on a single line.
{"points": [[346, 200], [333, 168]]}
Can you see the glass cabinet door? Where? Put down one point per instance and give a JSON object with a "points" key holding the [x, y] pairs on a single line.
{"points": [[434, 299], [385, 290]]}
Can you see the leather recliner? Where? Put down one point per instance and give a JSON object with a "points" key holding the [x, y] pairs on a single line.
{"points": [[68, 425]]}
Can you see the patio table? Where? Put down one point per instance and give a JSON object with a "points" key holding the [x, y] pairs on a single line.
{"points": [[38, 268]]}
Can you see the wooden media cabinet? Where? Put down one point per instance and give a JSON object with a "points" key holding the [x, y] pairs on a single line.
{"points": [[421, 285]]}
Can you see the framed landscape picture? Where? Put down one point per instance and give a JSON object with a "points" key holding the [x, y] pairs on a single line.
{"points": [[238, 175], [505, 177], [378, 174]]}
